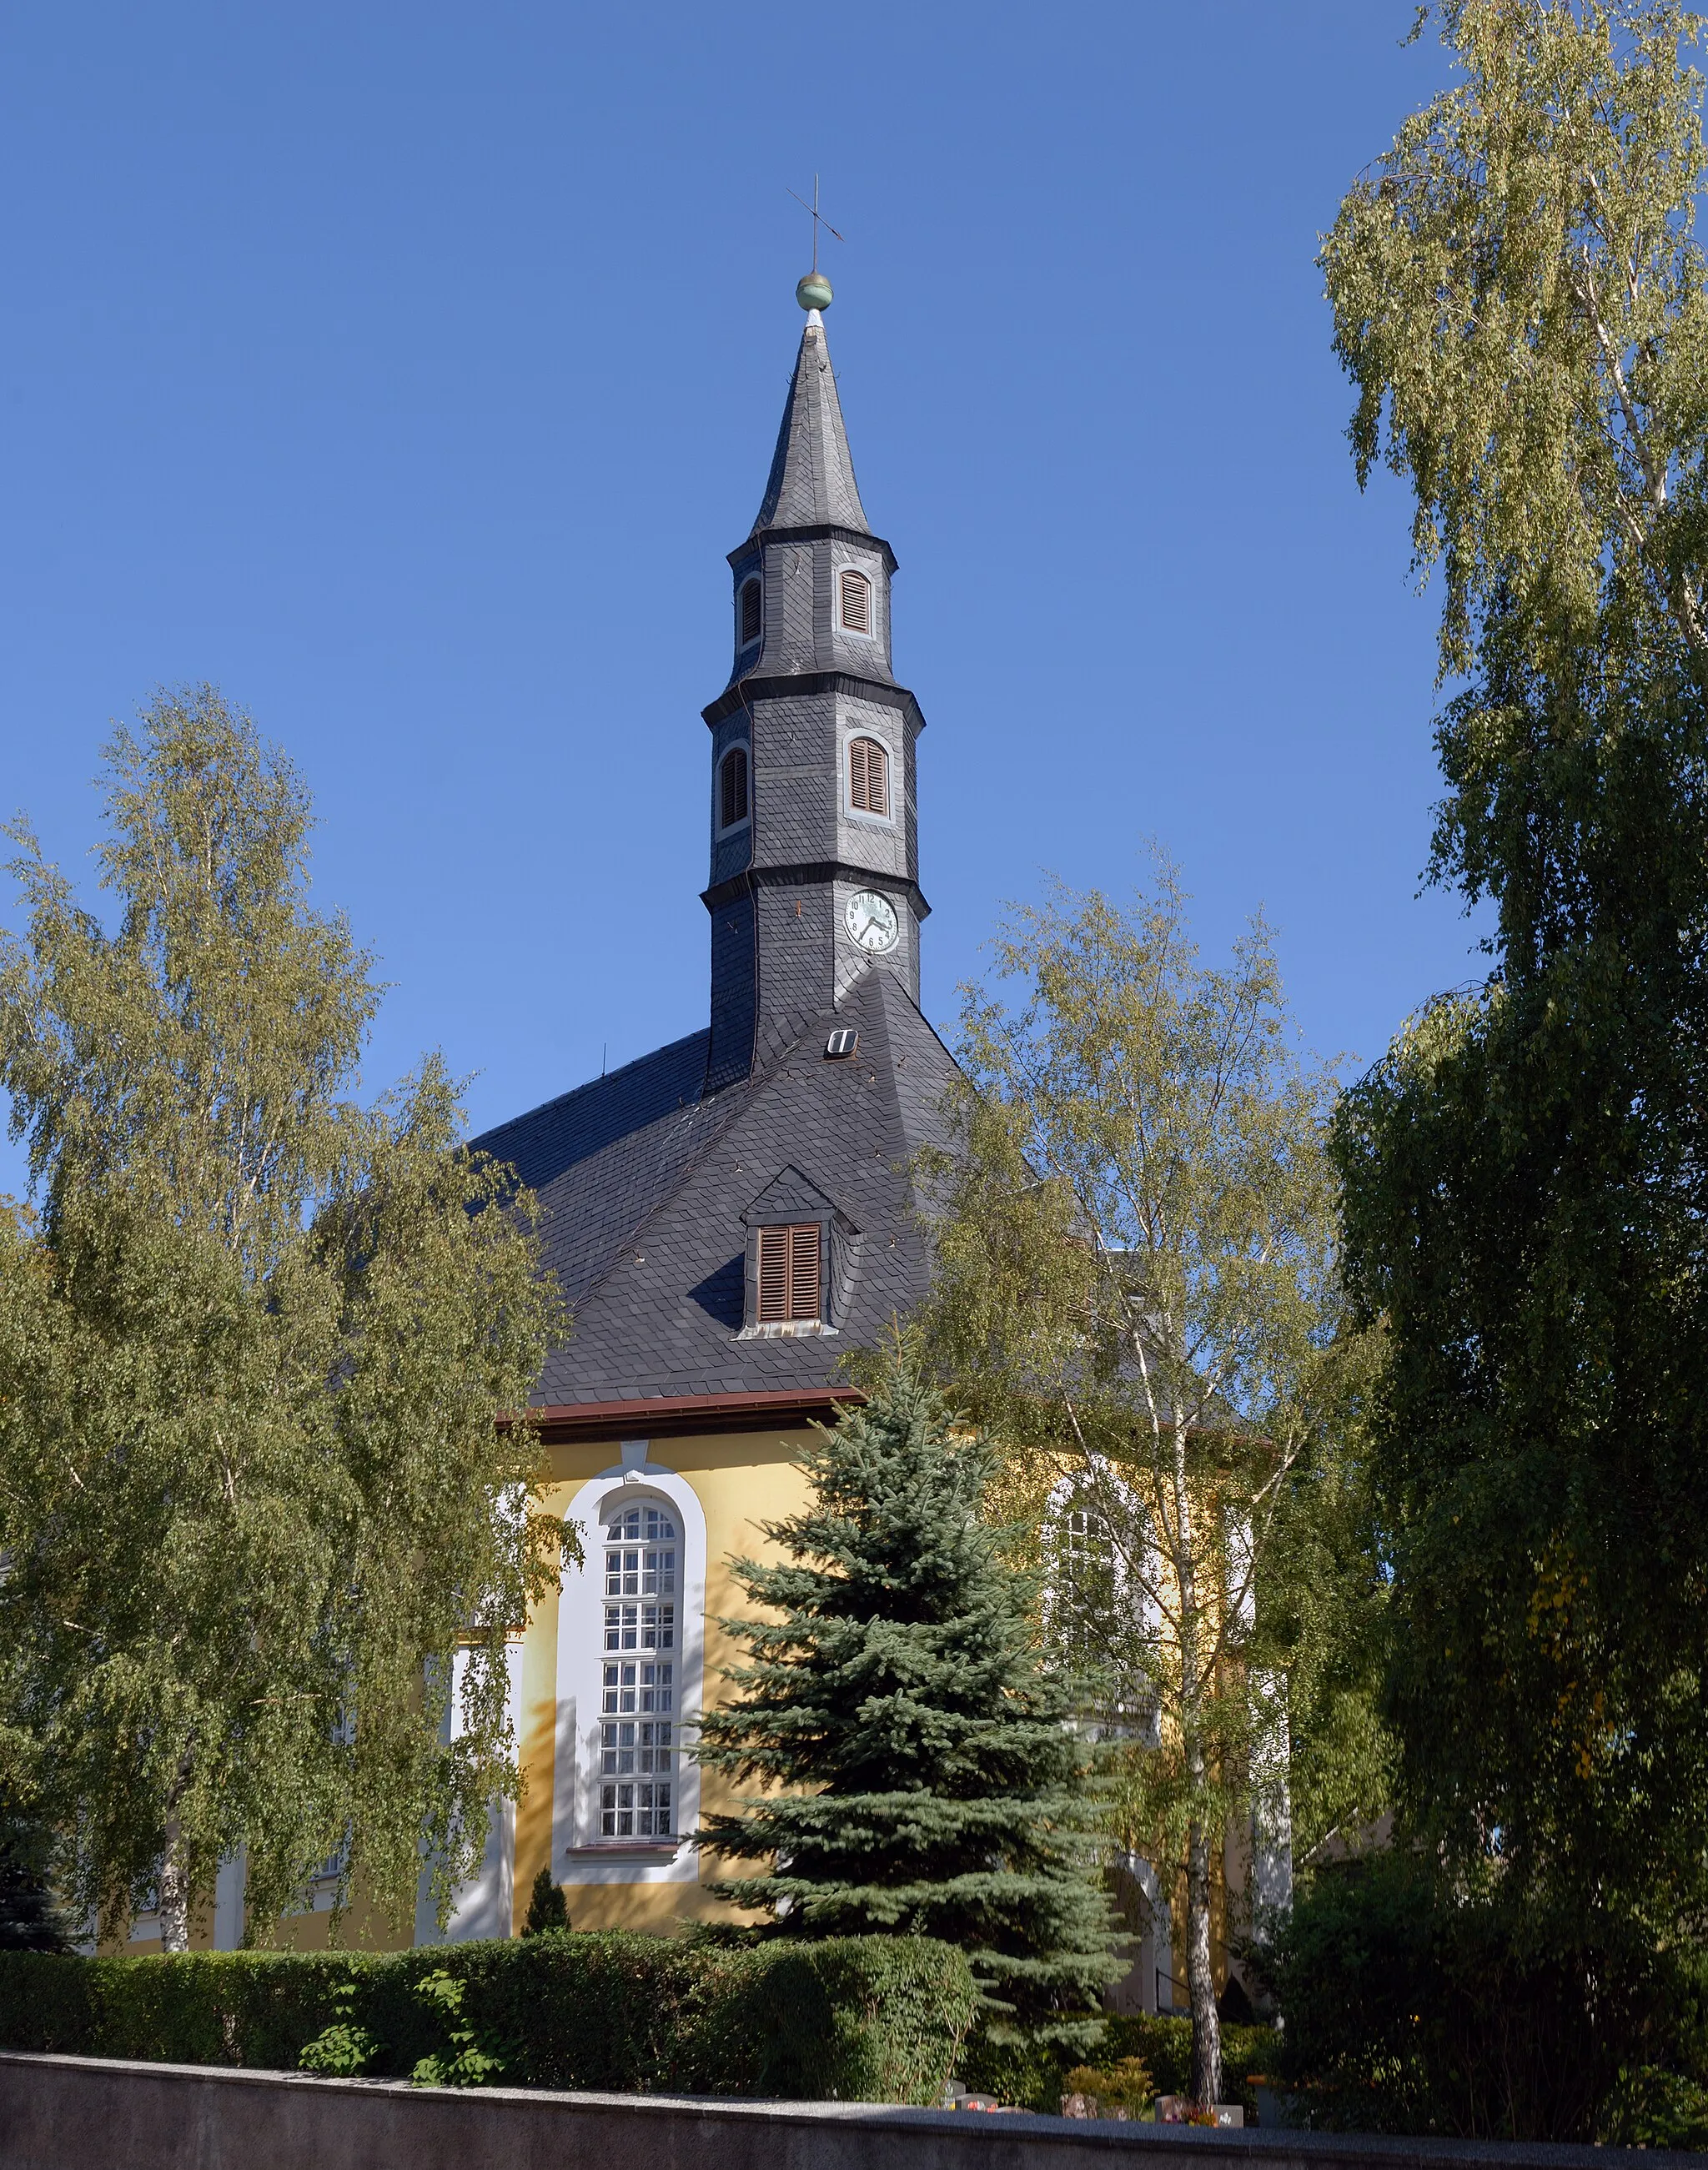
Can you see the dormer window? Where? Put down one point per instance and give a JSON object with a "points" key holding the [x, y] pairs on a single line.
{"points": [[748, 612], [801, 1252], [732, 788], [790, 1273], [856, 603], [868, 777]]}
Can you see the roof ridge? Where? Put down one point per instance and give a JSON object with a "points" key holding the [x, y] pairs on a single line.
{"points": [[605, 1077]]}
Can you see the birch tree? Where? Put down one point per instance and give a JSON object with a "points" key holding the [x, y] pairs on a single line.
{"points": [[1522, 301], [1136, 1296], [255, 1341], [1518, 297]]}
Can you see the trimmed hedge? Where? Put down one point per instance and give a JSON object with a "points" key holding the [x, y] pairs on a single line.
{"points": [[853, 2018]]}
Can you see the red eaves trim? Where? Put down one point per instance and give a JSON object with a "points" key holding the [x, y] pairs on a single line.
{"points": [[663, 1416]]}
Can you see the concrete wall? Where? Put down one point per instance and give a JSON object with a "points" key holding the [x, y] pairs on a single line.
{"points": [[84, 2113]]}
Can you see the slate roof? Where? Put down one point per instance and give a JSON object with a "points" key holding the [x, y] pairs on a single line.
{"points": [[811, 483], [643, 1184]]}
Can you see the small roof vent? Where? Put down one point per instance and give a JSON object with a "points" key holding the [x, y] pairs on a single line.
{"points": [[841, 1044]]}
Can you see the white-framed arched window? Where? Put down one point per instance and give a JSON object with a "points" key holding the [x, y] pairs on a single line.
{"points": [[641, 1549], [854, 599], [1101, 1598], [868, 776], [631, 1635]]}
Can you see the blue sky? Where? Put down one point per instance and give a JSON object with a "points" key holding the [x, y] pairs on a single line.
{"points": [[408, 372]]}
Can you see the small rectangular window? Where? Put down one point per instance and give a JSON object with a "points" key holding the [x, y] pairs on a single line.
{"points": [[857, 602], [789, 1273]]}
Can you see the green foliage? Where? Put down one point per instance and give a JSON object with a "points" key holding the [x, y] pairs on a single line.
{"points": [[1653, 2108], [1415, 2006], [548, 1908], [342, 2050], [1125, 2085], [919, 1779], [254, 1492], [1137, 1295], [31, 1916], [1037, 2078], [462, 2063], [856, 2019], [1519, 298]]}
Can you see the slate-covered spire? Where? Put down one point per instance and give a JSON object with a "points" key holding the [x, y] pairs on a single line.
{"points": [[811, 482], [813, 880]]}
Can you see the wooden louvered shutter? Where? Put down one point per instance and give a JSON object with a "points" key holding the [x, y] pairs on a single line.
{"points": [[734, 776], [750, 613], [857, 602], [868, 777], [773, 1274], [789, 1263], [804, 1271], [876, 777]]}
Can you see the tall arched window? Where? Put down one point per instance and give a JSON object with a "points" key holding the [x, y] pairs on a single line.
{"points": [[637, 1715], [868, 776], [1100, 1576], [748, 612], [732, 788], [857, 602]]}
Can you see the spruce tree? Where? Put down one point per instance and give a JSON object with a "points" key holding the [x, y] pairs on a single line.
{"points": [[548, 1907], [919, 1779], [30, 1917]]}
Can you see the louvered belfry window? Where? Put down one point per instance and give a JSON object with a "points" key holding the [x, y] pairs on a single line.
{"points": [[868, 777], [733, 777], [750, 611], [789, 1273], [857, 602]]}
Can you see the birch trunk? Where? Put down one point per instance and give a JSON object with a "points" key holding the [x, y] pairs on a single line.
{"points": [[1200, 1976], [172, 1893], [1200, 1979]]}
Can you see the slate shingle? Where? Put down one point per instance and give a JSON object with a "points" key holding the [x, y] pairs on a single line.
{"points": [[643, 1224]]}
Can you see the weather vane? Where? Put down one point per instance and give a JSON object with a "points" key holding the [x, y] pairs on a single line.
{"points": [[813, 291]]}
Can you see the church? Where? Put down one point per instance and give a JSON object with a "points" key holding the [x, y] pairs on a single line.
{"points": [[726, 1217], [729, 1215]]}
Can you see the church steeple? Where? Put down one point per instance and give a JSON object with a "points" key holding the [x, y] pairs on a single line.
{"points": [[815, 861], [812, 473]]}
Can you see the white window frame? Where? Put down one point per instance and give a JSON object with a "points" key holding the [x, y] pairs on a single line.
{"points": [[579, 1853], [850, 812]]}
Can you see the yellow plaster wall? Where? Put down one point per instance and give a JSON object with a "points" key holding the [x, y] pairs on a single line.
{"points": [[741, 1479]]}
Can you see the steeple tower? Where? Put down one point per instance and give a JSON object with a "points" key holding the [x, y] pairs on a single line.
{"points": [[815, 875]]}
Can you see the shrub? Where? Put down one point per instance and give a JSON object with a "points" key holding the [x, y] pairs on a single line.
{"points": [[1416, 2007], [1038, 2080], [548, 1907], [858, 2019]]}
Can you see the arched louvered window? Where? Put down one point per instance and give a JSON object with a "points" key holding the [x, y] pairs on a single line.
{"points": [[789, 1269], [868, 776], [857, 602], [732, 788], [750, 611]]}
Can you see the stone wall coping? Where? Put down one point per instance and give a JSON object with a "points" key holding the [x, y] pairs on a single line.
{"points": [[145, 2112]]}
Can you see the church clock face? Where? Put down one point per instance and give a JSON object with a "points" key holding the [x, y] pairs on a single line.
{"points": [[872, 922]]}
